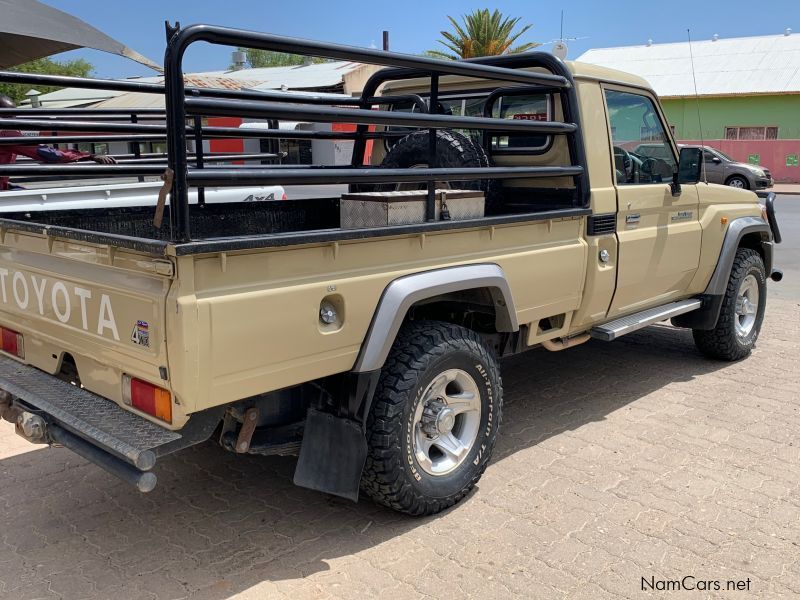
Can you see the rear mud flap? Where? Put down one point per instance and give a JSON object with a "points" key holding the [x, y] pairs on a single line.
{"points": [[332, 455]]}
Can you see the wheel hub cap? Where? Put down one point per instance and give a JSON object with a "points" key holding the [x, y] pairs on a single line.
{"points": [[747, 306], [438, 419], [446, 422]]}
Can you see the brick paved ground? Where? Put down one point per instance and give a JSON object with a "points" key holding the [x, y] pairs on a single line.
{"points": [[618, 461]]}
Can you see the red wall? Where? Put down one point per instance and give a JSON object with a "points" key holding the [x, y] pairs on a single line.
{"points": [[773, 154], [225, 145]]}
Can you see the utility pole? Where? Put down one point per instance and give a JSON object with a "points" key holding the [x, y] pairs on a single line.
{"points": [[385, 40]]}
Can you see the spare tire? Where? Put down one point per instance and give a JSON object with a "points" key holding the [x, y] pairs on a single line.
{"points": [[453, 150]]}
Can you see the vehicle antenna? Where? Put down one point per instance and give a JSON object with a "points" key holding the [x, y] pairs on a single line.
{"points": [[697, 100]]}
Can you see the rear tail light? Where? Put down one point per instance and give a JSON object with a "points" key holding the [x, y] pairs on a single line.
{"points": [[12, 342], [147, 398]]}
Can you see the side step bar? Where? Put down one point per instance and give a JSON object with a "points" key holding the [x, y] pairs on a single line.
{"points": [[610, 331]]}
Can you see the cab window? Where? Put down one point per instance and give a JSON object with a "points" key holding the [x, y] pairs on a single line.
{"points": [[531, 107], [642, 152], [457, 107], [534, 107]]}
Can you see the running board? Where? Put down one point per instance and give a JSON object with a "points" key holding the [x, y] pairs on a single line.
{"points": [[610, 331]]}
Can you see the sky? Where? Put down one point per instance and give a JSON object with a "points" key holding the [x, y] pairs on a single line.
{"points": [[414, 25]]}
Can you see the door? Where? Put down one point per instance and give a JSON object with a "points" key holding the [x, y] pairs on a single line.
{"points": [[714, 166], [659, 234]]}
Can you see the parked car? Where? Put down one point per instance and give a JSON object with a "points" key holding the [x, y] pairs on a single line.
{"points": [[719, 167]]}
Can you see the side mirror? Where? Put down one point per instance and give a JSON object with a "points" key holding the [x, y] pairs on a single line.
{"points": [[716, 160], [690, 165]]}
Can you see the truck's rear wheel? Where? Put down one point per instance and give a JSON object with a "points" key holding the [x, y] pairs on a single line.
{"points": [[742, 312], [434, 419]]}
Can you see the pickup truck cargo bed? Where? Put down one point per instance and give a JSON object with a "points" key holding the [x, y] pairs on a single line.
{"points": [[209, 221]]}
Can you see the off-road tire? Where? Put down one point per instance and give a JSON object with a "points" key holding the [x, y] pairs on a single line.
{"points": [[723, 342], [453, 150], [745, 184], [422, 351]]}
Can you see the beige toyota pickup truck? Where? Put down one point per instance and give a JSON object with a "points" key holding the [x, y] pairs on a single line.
{"points": [[494, 206]]}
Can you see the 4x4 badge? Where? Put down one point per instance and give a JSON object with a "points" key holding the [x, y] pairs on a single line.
{"points": [[141, 334]]}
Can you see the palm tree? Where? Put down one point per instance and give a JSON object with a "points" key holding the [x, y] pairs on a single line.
{"points": [[483, 34]]}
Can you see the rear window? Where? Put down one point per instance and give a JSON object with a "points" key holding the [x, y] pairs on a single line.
{"points": [[535, 107]]}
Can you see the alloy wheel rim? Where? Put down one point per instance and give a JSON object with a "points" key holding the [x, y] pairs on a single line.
{"points": [[446, 422], [737, 183], [747, 306]]}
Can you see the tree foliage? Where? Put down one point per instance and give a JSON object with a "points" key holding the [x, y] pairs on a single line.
{"points": [[45, 66], [482, 34], [257, 59]]}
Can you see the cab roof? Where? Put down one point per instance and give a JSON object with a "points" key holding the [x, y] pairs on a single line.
{"points": [[582, 70], [579, 70]]}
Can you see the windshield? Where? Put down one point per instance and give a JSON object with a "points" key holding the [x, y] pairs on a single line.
{"points": [[722, 154]]}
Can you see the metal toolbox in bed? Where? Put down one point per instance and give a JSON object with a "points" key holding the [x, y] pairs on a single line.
{"points": [[375, 209]]}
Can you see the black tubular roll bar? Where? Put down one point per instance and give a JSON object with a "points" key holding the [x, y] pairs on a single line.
{"points": [[197, 106], [182, 121], [566, 91], [182, 104]]}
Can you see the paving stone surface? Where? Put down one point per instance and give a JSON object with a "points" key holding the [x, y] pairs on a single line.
{"points": [[616, 462]]}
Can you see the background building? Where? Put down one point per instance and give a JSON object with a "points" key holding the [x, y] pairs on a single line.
{"points": [[748, 94], [333, 79]]}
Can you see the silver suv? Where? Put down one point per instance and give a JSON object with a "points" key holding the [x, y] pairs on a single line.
{"points": [[721, 168]]}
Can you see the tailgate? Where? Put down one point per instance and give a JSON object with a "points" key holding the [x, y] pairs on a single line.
{"points": [[89, 312]]}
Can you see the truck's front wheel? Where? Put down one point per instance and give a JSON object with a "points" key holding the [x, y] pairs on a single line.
{"points": [[434, 419], [742, 311]]}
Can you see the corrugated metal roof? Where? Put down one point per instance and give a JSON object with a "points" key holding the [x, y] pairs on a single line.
{"points": [[322, 75], [74, 97], [313, 76], [71, 98], [132, 100], [749, 65], [228, 81]]}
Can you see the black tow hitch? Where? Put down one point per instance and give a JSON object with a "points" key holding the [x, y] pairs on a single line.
{"points": [[27, 424]]}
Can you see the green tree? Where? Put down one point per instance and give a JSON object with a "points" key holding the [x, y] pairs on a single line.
{"points": [[44, 66], [266, 58], [482, 34]]}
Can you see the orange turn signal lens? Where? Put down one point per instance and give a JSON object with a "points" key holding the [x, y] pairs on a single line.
{"points": [[147, 398]]}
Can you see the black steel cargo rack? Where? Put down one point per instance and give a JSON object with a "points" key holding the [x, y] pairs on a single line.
{"points": [[185, 107]]}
